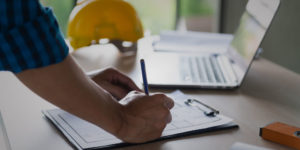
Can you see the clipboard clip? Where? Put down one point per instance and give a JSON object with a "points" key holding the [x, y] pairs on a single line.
{"points": [[207, 110]]}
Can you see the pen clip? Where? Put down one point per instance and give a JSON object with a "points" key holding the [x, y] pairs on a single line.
{"points": [[207, 110]]}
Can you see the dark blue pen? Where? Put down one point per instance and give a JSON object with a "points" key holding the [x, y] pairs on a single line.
{"points": [[145, 82]]}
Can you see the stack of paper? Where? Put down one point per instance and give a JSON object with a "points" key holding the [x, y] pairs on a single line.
{"points": [[192, 41]]}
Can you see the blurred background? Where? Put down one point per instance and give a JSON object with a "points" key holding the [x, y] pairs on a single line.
{"points": [[195, 15], [280, 44]]}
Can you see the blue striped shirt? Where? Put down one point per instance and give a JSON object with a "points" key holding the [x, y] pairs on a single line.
{"points": [[29, 36]]}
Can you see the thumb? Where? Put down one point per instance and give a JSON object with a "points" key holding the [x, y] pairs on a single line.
{"points": [[169, 103]]}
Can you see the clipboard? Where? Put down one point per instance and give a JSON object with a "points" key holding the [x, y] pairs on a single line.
{"points": [[187, 120]]}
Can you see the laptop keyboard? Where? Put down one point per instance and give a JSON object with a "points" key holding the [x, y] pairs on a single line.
{"points": [[202, 69]]}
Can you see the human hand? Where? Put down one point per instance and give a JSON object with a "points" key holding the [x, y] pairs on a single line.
{"points": [[115, 82], [144, 117]]}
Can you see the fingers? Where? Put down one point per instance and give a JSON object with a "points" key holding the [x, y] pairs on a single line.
{"points": [[150, 115], [115, 82], [159, 106], [131, 93], [169, 103], [169, 118], [162, 99], [155, 107], [124, 80], [116, 91], [127, 82]]}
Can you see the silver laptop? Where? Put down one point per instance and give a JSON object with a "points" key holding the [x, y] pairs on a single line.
{"points": [[224, 69]]}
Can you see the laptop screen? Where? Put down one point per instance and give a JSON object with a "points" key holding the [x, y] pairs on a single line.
{"points": [[253, 26]]}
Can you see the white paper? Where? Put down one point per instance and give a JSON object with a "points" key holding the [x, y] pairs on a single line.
{"points": [[86, 135], [192, 42]]}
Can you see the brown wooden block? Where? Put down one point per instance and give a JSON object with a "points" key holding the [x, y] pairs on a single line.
{"points": [[282, 133]]}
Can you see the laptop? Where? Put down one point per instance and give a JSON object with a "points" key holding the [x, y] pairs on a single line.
{"points": [[225, 69]]}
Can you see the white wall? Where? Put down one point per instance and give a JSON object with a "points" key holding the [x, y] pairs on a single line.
{"points": [[282, 42]]}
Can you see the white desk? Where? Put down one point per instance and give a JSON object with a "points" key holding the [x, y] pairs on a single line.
{"points": [[270, 93]]}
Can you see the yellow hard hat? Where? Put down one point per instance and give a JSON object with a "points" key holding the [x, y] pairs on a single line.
{"points": [[92, 20]]}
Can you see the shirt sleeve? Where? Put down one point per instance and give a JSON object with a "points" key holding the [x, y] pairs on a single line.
{"points": [[29, 36]]}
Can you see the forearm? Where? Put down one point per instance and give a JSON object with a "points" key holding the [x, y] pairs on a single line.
{"points": [[66, 86]]}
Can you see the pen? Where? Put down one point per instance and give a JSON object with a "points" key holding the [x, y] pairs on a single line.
{"points": [[145, 82]]}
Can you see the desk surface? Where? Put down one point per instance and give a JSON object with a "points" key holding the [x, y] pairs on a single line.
{"points": [[270, 93]]}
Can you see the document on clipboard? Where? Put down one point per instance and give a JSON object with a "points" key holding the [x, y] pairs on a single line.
{"points": [[188, 118]]}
